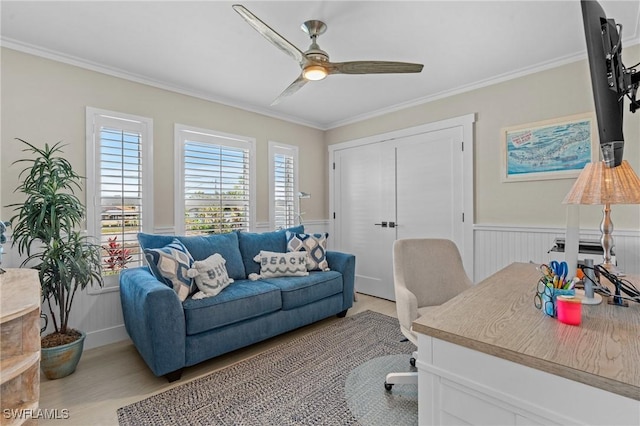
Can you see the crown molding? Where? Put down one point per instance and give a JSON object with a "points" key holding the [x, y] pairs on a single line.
{"points": [[119, 73], [126, 75], [461, 89]]}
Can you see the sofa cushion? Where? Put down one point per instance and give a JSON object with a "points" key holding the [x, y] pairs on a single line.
{"points": [[251, 243], [203, 246], [314, 244], [243, 300], [299, 291], [169, 264]]}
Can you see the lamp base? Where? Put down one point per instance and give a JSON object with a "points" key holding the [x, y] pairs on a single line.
{"points": [[613, 269], [595, 300]]}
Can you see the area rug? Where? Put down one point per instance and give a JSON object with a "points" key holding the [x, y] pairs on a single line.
{"points": [[333, 375]]}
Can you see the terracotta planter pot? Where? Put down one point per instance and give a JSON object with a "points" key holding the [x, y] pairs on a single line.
{"points": [[60, 361]]}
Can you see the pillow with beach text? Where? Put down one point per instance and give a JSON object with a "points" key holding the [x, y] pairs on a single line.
{"points": [[282, 264], [210, 275]]}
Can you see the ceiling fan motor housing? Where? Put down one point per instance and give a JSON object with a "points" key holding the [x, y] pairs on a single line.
{"points": [[315, 28]]}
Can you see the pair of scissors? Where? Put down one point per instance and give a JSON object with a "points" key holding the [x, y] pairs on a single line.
{"points": [[560, 269]]}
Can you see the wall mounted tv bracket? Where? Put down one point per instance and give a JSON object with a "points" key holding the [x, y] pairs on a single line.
{"points": [[623, 80]]}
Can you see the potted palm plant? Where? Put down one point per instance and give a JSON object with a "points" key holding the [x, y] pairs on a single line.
{"points": [[45, 230]]}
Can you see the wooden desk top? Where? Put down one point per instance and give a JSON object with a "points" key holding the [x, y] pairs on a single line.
{"points": [[498, 317]]}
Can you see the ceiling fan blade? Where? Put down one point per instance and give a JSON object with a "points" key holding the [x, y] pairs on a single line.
{"points": [[271, 35], [372, 67], [293, 88]]}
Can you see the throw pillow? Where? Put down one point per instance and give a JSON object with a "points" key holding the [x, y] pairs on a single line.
{"points": [[210, 275], [251, 243], [170, 264], [282, 264], [316, 247]]}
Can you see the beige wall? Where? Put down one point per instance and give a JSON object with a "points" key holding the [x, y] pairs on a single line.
{"points": [[554, 93], [44, 101]]}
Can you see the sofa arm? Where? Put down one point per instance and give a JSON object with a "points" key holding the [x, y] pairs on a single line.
{"points": [[346, 265], [154, 319]]}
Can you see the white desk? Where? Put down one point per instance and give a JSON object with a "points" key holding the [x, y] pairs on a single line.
{"points": [[488, 356]]}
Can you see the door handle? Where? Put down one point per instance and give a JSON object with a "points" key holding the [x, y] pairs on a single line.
{"points": [[383, 224], [392, 224]]}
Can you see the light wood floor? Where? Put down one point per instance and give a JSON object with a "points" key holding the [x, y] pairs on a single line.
{"points": [[112, 376]]}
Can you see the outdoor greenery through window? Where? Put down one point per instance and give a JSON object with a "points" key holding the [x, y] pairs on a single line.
{"points": [[216, 182], [118, 172], [284, 208]]}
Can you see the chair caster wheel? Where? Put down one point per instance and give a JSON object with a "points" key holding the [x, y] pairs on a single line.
{"points": [[412, 361], [388, 386]]}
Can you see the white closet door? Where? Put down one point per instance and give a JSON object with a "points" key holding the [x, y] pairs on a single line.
{"points": [[429, 196], [364, 186]]}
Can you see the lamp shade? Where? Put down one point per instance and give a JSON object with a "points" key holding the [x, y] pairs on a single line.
{"points": [[599, 184]]}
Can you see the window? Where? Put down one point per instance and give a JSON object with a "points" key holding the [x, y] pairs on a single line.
{"points": [[119, 187], [215, 193], [283, 188]]}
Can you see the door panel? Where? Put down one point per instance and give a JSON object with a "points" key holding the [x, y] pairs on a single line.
{"points": [[429, 180], [362, 188]]}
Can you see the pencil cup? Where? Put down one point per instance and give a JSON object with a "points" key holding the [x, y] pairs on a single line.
{"points": [[550, 297]]}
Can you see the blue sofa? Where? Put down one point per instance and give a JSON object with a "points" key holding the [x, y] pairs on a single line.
{"points": [[171, 335]]}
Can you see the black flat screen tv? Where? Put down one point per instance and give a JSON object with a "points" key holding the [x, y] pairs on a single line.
{"points": [[610, 80]]}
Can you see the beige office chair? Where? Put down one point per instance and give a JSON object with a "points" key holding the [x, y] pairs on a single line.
{"points": [[426, 273]]}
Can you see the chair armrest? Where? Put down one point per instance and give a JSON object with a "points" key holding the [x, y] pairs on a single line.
{"points": [[345, 264], [406, 306], [154, 319]]}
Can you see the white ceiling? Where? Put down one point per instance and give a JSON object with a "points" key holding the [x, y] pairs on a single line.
{"points": [[206, 49]]}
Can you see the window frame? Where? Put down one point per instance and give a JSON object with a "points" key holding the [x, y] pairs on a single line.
{"points": [[212, 137], [95, 118], [276, 148]]}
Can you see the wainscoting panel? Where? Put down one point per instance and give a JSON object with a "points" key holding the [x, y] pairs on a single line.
{"points": [[498, 246]]}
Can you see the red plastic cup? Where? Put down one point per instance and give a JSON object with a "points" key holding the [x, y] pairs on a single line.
{"points": [[569, 310]]}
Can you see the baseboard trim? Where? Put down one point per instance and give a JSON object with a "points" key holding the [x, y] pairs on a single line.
{"points": [[105, 336]]}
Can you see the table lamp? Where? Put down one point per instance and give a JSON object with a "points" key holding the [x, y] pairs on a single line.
{"points": [[603, 185]]}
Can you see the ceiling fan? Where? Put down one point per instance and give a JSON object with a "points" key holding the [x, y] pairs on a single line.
{"points": [[315, 62]]}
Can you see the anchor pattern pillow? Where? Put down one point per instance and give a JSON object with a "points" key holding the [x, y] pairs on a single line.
{"points": [[316, 247], [170, 264]]}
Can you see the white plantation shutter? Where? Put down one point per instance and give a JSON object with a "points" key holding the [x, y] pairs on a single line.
{"points": [[284, 199], [283, 185], [117, 159], [215, 182]]}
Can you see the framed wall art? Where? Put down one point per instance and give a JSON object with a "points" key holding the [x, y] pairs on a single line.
{"points": [[551, 149]]}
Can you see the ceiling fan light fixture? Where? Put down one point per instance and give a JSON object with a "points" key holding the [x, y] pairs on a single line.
{"points": [[314, 72]]}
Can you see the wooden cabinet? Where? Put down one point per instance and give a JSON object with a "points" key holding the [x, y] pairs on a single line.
{"points": [[19, 345]]}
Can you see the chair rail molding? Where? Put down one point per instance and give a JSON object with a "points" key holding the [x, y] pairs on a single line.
{"points": [[496, 246]]}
